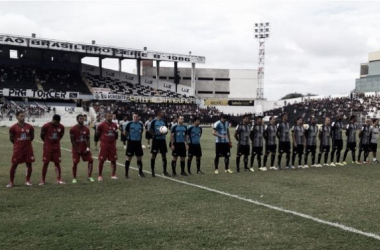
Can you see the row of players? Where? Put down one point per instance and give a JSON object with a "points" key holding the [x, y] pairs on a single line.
{"points": [[185, 139]]}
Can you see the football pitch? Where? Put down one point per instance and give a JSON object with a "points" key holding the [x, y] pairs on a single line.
{"points": [[317, 208]]}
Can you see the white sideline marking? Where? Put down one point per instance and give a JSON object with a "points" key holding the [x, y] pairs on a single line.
{"points": [[305, 216]]}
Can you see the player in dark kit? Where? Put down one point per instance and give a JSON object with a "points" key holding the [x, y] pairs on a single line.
{"points": [[374, 134], [242, 137], [270, 143], [148, 135], [178, 139], [133, 132], [364, 136], [51, 134], [257, 137], [107, 132], [283, 129], [122, 125], [337, 140], [194, 136], [351, 140], [21, 135], [311, 142], [96, 138], [299, 142], [223, 143], [158, 143], [325, 141], [80, 141]]}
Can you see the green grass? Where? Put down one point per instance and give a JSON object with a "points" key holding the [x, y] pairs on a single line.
{"points": [[156, 213]]}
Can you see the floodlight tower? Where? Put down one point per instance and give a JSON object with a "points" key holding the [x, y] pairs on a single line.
{"points": [[261, 34]]}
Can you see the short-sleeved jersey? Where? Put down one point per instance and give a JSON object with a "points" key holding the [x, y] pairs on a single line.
{"points": [[147, 125], [243, 132], [154, 128], [96, 124], [270, 134], [283, 130], [180, 132], [325, 135], [222, 129], [53, 135], [365, 135], [336, 130], [22, 137], [299, 133], [351, 132], [80, 135], [311, 135], [134, 130], [122, 125], [374, 134], [195, 133], [257, 135], [107, 132]]}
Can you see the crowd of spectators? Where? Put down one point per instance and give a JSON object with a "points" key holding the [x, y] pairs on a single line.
{"points": [[9, 109], [207, 115]]}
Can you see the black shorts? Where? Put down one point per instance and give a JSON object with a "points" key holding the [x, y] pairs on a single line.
{"points": [[148, 135], [159, 146], [311, 149], [134, 148], [222, 149], [270, 148], [284, 147], [123, 137], [351, 146], [243, 150], [324, 149], [195, 150], [337, 145], [373, 147], [257, 150], [364, 147], [179, 149], [299, 149], [96, 139]]}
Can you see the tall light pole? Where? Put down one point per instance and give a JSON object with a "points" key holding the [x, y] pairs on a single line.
{"points": [[262, 31]]}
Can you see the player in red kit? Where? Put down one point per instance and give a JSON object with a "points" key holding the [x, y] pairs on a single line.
{"points": [[51, 134], [80, 141], [21, 135], [107, 132]]}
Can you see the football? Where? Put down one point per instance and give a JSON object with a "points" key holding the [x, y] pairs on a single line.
{"points": [[163, 130], [143, 147]]}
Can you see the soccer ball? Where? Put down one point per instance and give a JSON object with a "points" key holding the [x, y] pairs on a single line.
{"points": [[143, 147], [163, 130]]}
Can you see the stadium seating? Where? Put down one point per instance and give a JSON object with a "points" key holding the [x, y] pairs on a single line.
{"points": [[14, 77]]}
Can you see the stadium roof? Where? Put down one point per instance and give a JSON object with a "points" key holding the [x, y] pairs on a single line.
{"points": [[104, 51]]}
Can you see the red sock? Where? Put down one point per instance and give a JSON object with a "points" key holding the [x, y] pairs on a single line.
{"points": [[44, 171], [12, 172], [58, 171], [28, 171], [101, 163], [75, 170], [113, 167], [89, 168]]}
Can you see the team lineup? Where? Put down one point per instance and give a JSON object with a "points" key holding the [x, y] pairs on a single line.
{"points": [[185, 141]]}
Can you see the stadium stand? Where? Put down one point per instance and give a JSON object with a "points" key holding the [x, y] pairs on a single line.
{"points": [[14, 77]]}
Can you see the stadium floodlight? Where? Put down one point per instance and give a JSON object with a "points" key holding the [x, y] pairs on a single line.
{"points": [[189, 52], [93, 42], [262, 31], [33, 35], [145, 48]]}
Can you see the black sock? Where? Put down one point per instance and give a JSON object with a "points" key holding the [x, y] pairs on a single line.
{"points": [[287, 158], [152, 163], [338, 156], [360, 154], [312, 159], [259, 160], [189, 164], [353, 155], [226, 162], [173, 168], [344, 156], [216, 162], [127, 167], [306, 156], [164, 164], [140, 166], [238, 163], [246, 161], [252, 159], [273, 157], [279, 159], [326, 157], [319, 158], [299, 159], [265, 160], [182, 166], [332, 156], [198, 164]]}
